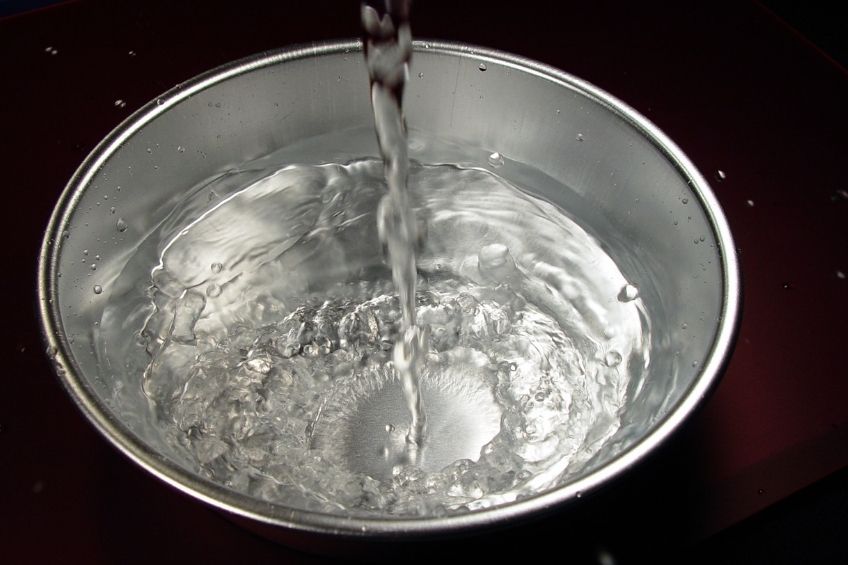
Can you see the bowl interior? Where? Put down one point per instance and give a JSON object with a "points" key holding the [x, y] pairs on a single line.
{"points": [[670, 238]]}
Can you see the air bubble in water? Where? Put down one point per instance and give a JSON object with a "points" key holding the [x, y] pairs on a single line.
{"points": [[612, 359], [496, 159]]}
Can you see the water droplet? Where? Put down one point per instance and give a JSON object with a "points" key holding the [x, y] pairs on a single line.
{"points": [[217, 104], [112, 210], [217, 267], [149, 150], [180, 148], [840, 275], [213, 290], [98, 289], [750, 203], [97, 257], [720, 176], [540, 396], [66, 234], [558, 111], [496, 159], [93, 267], [702, 238], [579, 137], [85, 251], [761, 491], [389, 428], [159, 101], [121, 225], [131, 53], [684, 326], [420, 75], [482, 67], [120, 103], [628, 293], [685, 201], [676, 222], [612, 358]]}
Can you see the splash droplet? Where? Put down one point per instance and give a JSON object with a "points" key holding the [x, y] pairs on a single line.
{"points": [[628, 293]]}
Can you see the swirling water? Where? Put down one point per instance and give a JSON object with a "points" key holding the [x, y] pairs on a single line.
{"points": [[260, 319]]}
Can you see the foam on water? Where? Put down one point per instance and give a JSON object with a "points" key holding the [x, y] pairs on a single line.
{"points": [[260, 326]]}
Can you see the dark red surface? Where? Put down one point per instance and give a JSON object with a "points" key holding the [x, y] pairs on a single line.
{"points": [[736, 89]]}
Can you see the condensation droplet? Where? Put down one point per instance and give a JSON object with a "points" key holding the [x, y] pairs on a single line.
{"points": [[496, 159]]}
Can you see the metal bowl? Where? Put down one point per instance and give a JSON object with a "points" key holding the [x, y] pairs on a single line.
{"points": [[669, 225]]}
